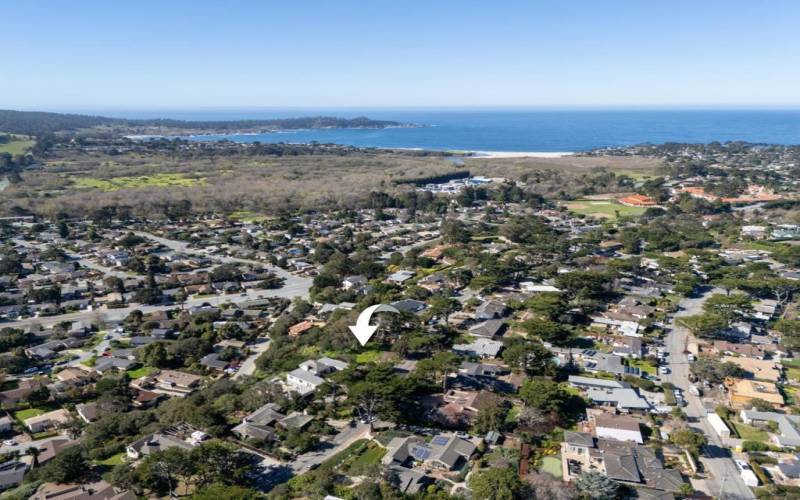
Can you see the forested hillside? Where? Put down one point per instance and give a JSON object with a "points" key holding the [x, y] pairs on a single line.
{"points": [[39, 123]]}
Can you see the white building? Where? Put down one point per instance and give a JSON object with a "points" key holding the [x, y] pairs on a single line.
{"points": [[618, 427], [303, 382], [719, 426]]}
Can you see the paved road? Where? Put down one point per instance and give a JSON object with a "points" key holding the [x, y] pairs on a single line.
{"points": [[249, 365], [716, 459], [23, 447]]}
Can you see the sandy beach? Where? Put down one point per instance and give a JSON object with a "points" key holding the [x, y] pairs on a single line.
{"points": [[519, 154]]}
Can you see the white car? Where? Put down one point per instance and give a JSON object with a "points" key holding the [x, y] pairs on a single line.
{"points": [[9, 442], [663, 370]]}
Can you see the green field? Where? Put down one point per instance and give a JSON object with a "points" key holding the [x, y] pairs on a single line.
{"points": [[16, 147], [606, 209], [140, 372], [368, 357], [143, 181], [112, 460], [368, 458], [23, 415], [749, 433], [644, 365], [552, 465]]}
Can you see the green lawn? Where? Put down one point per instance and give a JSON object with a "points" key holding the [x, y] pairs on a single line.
{"points": [[112, 460], [368, 357], [155, 180], [644, 365], [603, 208], [141, 372], [16, 147], [552, 465], [749, 433], [371, 456], [349, 452], [23, 415], [792, 373]]}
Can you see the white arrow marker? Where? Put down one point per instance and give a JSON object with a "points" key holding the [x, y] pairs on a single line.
{"points": [[362, 329]]}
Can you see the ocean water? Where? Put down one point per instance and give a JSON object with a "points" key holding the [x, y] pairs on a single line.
{"points": [[522, 130]]}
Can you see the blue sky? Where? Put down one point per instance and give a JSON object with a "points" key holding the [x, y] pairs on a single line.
{"points": [[337, 53]]}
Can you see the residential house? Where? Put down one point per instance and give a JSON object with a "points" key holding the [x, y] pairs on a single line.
{"points": [[260, 425], [303, 382], [618, 427], [74, 377], [99, 490], [444, 452], [169, 382], [409, 305], [110, 363], [623, 461], [11, 474], [488, 329], [89, 412], [787, 435], [49, 420], [300, 328], [400, 277], [355, 283], [480, 347], [153, 443], [24, 389], [490, 309]]}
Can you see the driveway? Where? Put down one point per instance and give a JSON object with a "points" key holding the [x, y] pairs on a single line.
{"points": [[725, 482], [249, 365], [341, 441]]}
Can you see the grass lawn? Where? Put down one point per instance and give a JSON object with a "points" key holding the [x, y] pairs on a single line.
{"points": [[112, 460], [368, 356], [792, 373], [23, 415], [349, 452], [372, 455], [16, 147], [644, 365], [749, 433], [155, 180], [607, 209], [552, 465], [141, 372]]}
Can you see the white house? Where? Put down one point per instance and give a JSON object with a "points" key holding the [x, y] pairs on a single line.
{"points": [[45, 421], [303, 381]]}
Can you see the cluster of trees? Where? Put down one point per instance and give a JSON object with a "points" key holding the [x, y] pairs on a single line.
{"points": [[211, 463], [719, 312]]}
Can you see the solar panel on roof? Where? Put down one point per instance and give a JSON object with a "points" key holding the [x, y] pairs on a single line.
{"points": [[439, 441], [421, 453]]}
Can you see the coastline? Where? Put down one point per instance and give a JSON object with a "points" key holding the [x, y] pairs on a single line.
{"points": [[520, 154]]}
